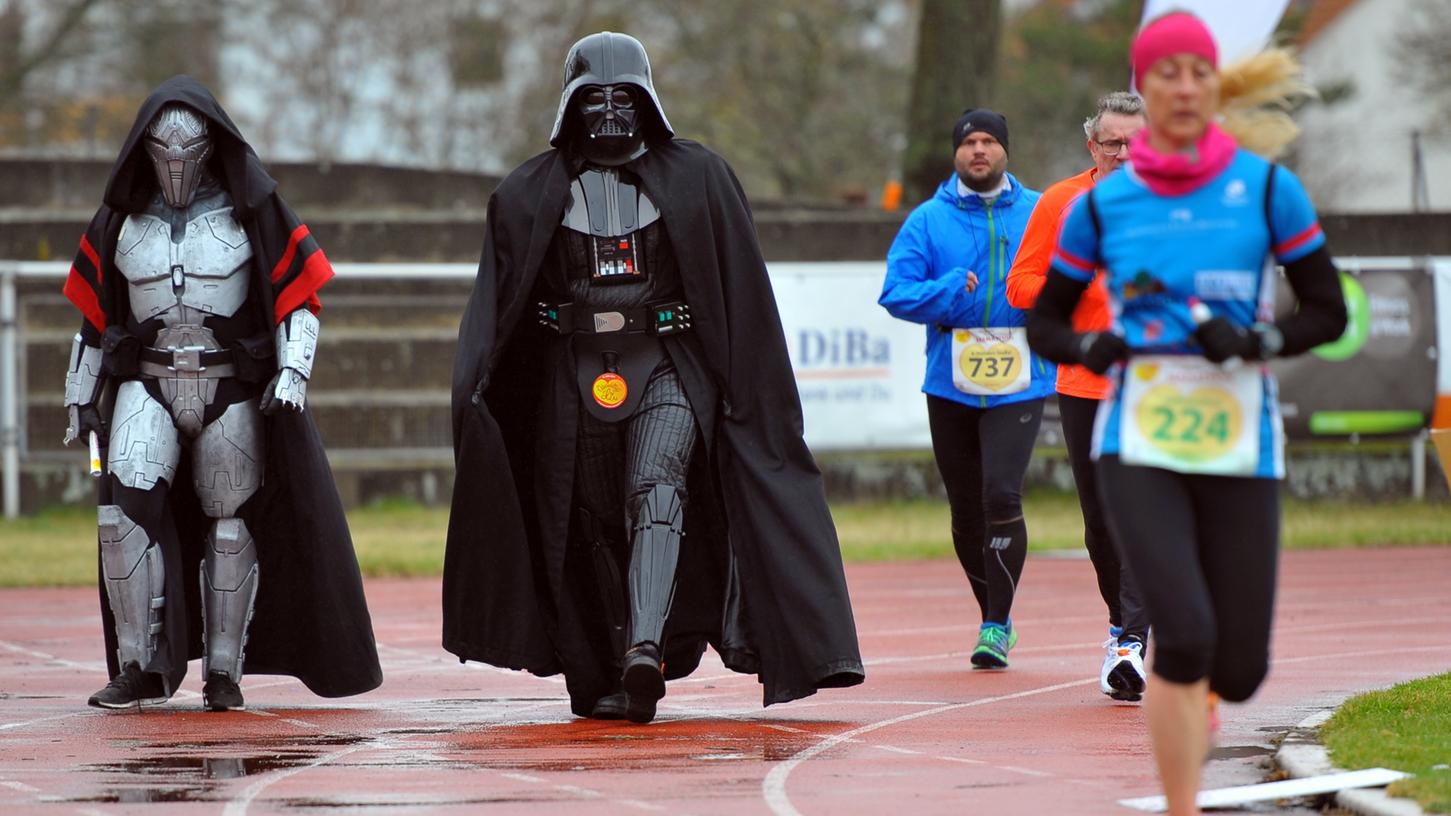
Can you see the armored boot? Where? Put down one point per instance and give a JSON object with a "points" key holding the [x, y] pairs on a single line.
{"points": [[657, 534], [229, 589], [136, 591]]}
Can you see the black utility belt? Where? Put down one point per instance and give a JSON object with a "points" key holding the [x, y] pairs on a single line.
{"points": [[251, 359], [660, 318]]}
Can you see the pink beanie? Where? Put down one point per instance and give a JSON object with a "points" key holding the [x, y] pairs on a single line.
{"points": [[1175, 33]]}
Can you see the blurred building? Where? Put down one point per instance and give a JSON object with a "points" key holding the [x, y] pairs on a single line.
{"points": [[1356, 153]]}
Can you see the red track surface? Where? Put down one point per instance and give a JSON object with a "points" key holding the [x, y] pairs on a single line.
{"points": [[924, 735]]}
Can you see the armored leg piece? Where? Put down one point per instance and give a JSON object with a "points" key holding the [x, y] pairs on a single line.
{"points": [[229, 588], [136, 590], [657, 534]]}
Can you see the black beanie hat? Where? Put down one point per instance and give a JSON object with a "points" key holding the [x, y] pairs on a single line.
{"points": [[980, 119]]}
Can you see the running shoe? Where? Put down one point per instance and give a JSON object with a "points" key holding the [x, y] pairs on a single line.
{"points": [[220, 693], [131, 688], [1122, 676], [993, 644]]}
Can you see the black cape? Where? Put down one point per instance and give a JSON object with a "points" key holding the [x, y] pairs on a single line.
{"points": [[756, 495], [311, 619]]}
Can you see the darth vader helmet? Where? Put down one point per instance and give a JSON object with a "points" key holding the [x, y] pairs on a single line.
{"points": [[608, 109], [178, 144]]}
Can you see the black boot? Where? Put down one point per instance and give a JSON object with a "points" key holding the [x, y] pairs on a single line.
{"points": [[132, 687], [221, 694], [644, 681], [612, 706]]}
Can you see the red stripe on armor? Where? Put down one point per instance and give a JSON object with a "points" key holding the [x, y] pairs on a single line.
{"points": [[281, 268], [316, 271], [90, 252], [79, 292]]}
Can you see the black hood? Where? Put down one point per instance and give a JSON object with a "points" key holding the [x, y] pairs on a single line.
{"points": [[133, 181], [605, 58]]}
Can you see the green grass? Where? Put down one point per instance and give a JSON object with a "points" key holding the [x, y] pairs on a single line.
{"points": [[399, 538], [1405, 728]]}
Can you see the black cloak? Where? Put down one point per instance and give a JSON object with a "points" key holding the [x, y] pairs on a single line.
{"points": [[510, 595], [311, 619]]}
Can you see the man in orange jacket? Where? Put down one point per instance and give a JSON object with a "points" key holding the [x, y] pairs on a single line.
{"points": [[1120, 115]]}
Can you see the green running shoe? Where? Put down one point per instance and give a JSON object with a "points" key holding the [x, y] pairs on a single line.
{"points": [[993, 644]]}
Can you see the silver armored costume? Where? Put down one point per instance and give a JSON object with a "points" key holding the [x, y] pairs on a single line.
{"points": [[187, 265]]}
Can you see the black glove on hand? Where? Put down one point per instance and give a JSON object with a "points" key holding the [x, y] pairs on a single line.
{"points": [[89, 419], [1222, 339], [1099, 350]]}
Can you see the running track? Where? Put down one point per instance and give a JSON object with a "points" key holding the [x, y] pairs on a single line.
{"points": [[924, 735]]}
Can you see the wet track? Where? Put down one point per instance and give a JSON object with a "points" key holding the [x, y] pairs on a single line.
{"points": [[923, 735]]}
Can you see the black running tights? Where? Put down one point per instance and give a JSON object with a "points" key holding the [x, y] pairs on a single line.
{"points": [[982, 454], [1204, 551]]}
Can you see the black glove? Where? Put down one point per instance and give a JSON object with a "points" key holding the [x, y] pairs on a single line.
{"points": [[1222, 339], [1099, 350], [88, 419]]}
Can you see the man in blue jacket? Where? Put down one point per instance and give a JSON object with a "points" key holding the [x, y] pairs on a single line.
{"points": [[948, 270]]}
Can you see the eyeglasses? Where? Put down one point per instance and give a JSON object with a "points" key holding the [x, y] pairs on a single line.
{"points": [[1111, 147]]}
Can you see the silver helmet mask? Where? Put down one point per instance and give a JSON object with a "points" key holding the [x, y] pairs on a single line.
{"points": [[179, 146]]}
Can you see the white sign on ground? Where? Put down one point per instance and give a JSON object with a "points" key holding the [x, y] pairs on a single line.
{"points": [[1288, 789]]}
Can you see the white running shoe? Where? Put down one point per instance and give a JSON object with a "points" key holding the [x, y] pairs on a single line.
{"points": [[1122, 676]]}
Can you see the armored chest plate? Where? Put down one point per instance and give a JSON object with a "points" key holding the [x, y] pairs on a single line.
{"points": [[204, 273], [609, 210]]}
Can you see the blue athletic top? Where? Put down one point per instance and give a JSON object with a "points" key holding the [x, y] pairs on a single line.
{"points": [[1212, 244], [940, 242]]}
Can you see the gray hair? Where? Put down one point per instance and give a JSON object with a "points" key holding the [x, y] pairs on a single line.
{"points": [[1120, 102]]}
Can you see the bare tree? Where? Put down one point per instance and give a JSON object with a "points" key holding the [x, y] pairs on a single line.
{"points": [[19, 61], [1425, 43], [957, 47]]}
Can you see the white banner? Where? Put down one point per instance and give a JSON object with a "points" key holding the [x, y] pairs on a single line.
{"points": [[1240, 27], [859, 370]]}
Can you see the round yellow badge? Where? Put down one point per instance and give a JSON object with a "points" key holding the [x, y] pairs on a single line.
{"points": [[1197, 425], [610, 390], [992, 367]]}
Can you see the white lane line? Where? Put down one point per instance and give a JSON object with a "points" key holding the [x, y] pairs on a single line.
{"points": [[1024, 771], [238, 805], [963, 760], [60, 661], [1374, 653], [24, 723], [894, 749], [583, 793], [518, 777], [20, 786], [773, 787], [639, 805]]}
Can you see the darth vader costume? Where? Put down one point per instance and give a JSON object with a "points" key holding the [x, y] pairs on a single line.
{"points": [[221, 533], [632, 483]]}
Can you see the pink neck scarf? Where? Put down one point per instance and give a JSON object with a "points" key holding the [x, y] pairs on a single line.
{"points": [[1176, 174]]}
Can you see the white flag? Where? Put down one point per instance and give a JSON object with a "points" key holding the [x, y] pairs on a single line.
{"points": [[1241, 28]]}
